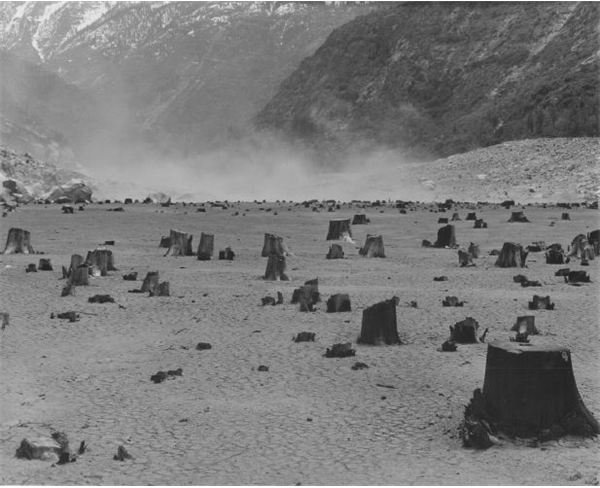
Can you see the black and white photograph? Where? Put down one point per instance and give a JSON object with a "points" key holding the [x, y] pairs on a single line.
{"points": [[299, 243]]}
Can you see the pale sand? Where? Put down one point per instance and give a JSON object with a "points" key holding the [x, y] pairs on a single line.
{"points": [[91, 379]]}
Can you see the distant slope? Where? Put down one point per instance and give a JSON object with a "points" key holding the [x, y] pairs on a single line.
{"points": [[441, 78]]}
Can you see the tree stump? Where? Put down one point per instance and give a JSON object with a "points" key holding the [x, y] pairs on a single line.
{"points": [[594, 240], [452, 302], [150, 282], [518, 216], [507, 204], [76, 261], [464, 332], [276, 268], [455, 217], [471, 216], [161, 290], [525, 324], [18, 242], [480, 224], [335, 252], [359, 219], [339, 302], [511, 256], [340, 350], [130, 276], [67, 209], [442, 220], [165, 241], [338, 228], [79, 275], [102, 259], [227, 254], [465, 259], [554, 254], [31, 268], [273, 244], [446, 237], [305, 337], [577, 277], [473, 250], [45, 265], [541, 303], [4, 318], [379, 324], [181, 244], [206, 247], [565, 216], [373, 247], [581, 248], [531, 390]]}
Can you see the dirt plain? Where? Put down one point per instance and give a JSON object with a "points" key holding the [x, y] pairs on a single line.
{"points": [[308, 419]]}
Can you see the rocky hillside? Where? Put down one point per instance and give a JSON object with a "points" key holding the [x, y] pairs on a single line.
{"points": [[179, 75], [441, 78]]}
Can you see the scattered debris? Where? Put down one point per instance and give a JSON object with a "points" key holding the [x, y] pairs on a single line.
{"points": [[101, 299]]}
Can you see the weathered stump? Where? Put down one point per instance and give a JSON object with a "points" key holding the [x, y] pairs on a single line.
{"points": [[379, 324], [581, 248], [473, 250], [511, 256], [4, 318], [79, 275], [273, 244], [554, 254], [305, 337], [67, 209], [45, 265], [373, 247], [565, 216], [480, 224], [465, 259], [206, 246], [276, 268], [531, 390], [181, 244], [442, 220], [465, 331], [360, 219], [452, 302], [594, 239], [18, 242], [338, 228], [471, 216], [150, 282], [161, 290], [31, 268], [525, 324], [339, 302], [227, 254], [541, 303], [130, 276], [455, 217], [335, 252], [340, 350], [102, 259], [165, 241], [446, 236], [518, 216], [577, 277]]}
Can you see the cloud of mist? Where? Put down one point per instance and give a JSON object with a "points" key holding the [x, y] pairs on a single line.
{"points": [[256, 169]]}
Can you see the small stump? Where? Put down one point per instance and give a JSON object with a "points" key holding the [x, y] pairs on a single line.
{"points": [[339, 303], [206, 247], [150, 282], [518, 216], [338, 228], [471, 216], [565, 216], [360, 219], [446, 237], [273, 245], [373, 247], [304, 337], [480, 224], [227, 254], [541, 303], [180, 244], [102, 259], [452, 302], [577, 277], [45, 265], [340, 350], [31, 268], [525, 324], [276, 268], [511, 256], [464, 332], [554, 254], [130, 276], [465, 259], [335, 252]]}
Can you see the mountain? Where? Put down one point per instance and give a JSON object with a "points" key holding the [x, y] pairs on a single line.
{"points": [[434, 79], [179, 77]]}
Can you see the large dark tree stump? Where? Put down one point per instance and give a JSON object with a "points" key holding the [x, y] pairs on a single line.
{"points": [[446, 237], [206, 246], [18, 242], [465, 331], [273, 244], [359, 219], [339, 303], [555, 254], [150, 282], [338, 228], [379, 324], [45, 265], [541, 303], [181, 244], [335, 252], [525, 324], [373, 247], [79, 275], [518, 216], [530, 390], [102, 259], [276, 268], [511, 256]]}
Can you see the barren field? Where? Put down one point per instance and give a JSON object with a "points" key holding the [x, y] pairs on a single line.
{"points": [[308, 419]]}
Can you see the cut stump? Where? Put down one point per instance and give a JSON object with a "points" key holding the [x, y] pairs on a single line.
{"points": [[18, 242], [379, 324]]}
